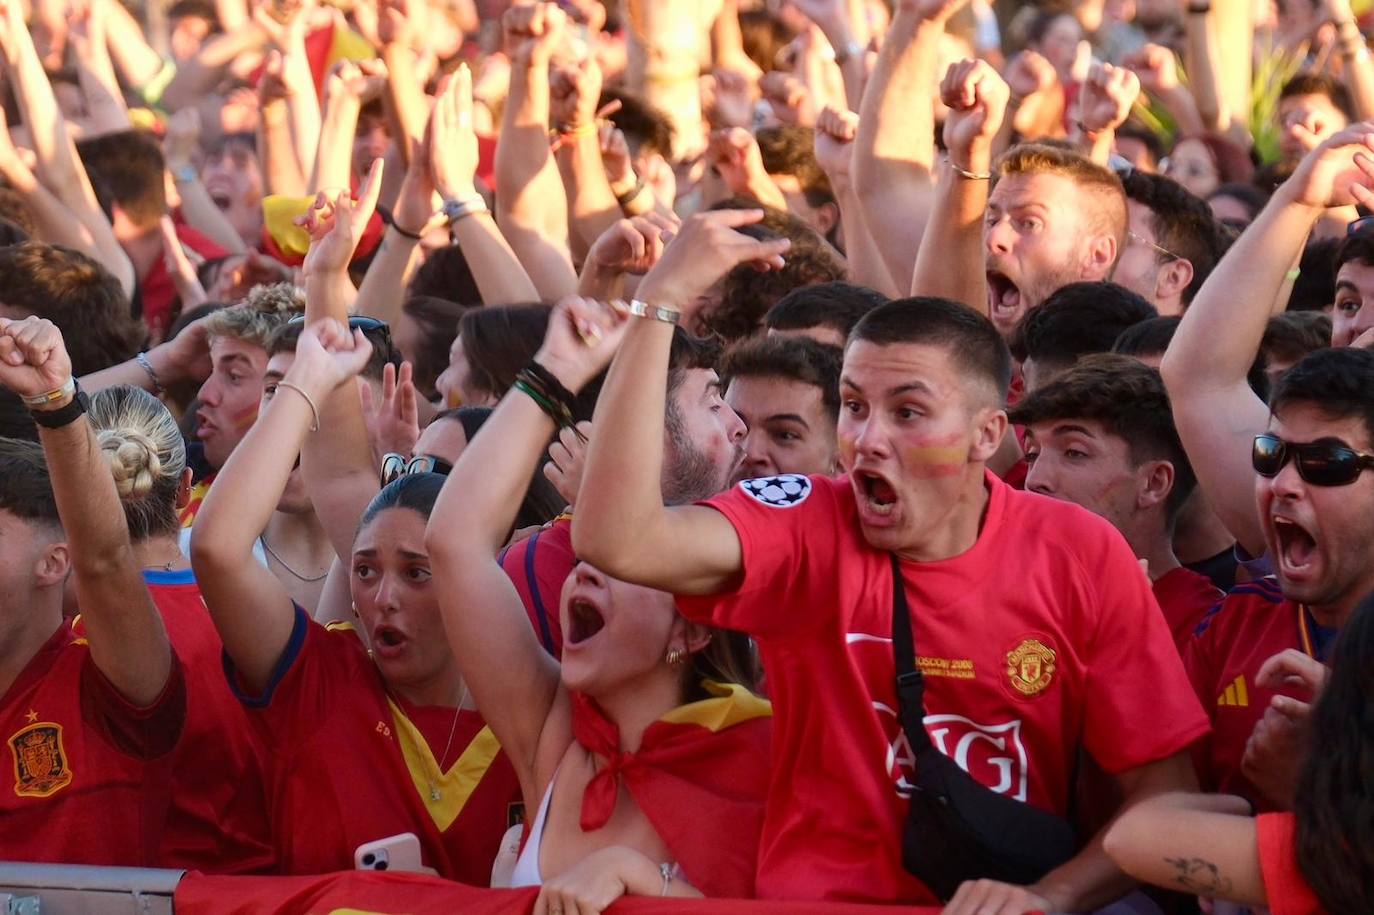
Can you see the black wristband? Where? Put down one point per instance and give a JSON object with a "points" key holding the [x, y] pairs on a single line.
{"points": [[552, 385], [1199, 9], [626, 198], [64, 416]]}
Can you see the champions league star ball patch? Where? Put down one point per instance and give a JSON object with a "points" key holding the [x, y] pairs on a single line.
{"points": [[784, 491]]}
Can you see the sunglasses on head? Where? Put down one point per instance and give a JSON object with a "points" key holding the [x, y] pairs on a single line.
{"points": [[378, 332], [395, 466], [1319, 463]]}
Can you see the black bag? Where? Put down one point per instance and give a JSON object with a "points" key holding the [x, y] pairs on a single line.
{"points": [[957, 829]]}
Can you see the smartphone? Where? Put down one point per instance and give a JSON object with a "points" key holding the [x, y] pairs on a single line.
{"points": [[394, 853]]}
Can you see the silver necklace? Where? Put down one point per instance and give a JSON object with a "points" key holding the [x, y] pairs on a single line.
{"points": [[282, 562], [434, 792]]}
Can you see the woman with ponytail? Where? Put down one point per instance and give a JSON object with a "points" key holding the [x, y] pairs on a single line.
{"points": [[218, 817]]}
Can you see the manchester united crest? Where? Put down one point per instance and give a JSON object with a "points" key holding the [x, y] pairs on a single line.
{"points": [[1030, 667], [40, 760]]}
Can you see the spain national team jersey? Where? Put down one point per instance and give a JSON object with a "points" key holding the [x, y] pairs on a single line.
{"points": [[351, 764], [1040, 640], [218, 823], [1285, 887], [1186, 598], [88, 773], [1253, 624]]}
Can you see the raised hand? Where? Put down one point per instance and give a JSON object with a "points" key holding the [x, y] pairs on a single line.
{"points": [[734, 155], [933, 10], [582, 337], [182, 140], [362, 80], [336, 222], [1030, 73], [705, 250], [567, 457], [977, 100], [452, 142], [835, 133], [284, 25], [632, 245], [615, 156], [393, 419], [33, 357], [727, 99], [1339, 172], [532, 33], [179, 266], [788, 97], [573, 95], [327, 355], [1106, 97], [1156, 67]]}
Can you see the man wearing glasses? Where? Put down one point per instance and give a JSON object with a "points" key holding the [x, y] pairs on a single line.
{"points": [[1172, 242], [1288, 480]]}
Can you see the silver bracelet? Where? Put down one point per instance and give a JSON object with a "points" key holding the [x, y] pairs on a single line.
{"points": [[147, 366], [666, 871], [314, 411], [645, 310], [965, 173], [455, 210]]}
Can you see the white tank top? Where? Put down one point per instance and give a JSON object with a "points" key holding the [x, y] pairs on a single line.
{"points": [[526, 871]]}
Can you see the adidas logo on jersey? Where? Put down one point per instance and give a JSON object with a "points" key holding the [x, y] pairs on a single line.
{"points": [[1235, 695]]}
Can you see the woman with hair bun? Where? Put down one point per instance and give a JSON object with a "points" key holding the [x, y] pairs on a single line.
{"points": [[218, 818]]}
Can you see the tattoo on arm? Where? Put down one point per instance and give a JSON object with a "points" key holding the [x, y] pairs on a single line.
{"points": [[1199, 876]]}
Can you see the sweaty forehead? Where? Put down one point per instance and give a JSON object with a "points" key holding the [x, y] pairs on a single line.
{"points": [[1055, 193], [1303, 421]]}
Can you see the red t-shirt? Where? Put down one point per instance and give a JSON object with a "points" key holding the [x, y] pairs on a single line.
{"points": [[352, 764], [89, 773], [1284, 885], [1185, 597], [159, 295], [538, 566], [1249, 627], [218, 822], [1040, 640]]}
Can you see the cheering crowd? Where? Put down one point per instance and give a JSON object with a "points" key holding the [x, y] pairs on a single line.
{"points": [[869, 451]]}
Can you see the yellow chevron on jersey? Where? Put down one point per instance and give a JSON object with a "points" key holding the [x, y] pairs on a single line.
{"points": [[1235, 695]]}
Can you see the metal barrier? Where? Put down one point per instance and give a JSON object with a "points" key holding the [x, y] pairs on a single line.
{"points": [[75, 889]]}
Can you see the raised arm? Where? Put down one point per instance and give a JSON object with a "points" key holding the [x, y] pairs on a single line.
{"points": [[1203, 60], [58, 166], [531, 204], [179, 147], [198, 77], [283, 171], [895, 149], [336, 222], [1205, 367], [1359, 68], [348, 85], [835, 133], [1197, 844], [631, 246], [251, 609], [574, 94], [512, 678], [845, 26], [128, 641], [621, 525], [1104, 104], [95, 73], [950, 262], [302, 103], [1157, 69]]}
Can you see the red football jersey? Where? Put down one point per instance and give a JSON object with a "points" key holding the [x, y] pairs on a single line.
{"points": [[1254, 623], [538, 566], [90, 771], [218, 823], [1185, 597], [159, 294], [1285, 886], [1040, 640], [352, 764]]}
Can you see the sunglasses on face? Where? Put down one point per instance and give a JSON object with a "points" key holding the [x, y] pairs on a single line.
{"points": [[395, 466], [1319, 463]]}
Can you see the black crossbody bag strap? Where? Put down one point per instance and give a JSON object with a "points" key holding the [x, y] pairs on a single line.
{"points": [[911, 684]]}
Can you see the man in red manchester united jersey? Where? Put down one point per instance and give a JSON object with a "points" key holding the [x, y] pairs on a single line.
{"points": [[88, 723], [1101, 435], [1034, 626]]}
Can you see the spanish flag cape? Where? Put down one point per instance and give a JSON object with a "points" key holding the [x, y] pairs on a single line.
{"points": [[700, 776]]}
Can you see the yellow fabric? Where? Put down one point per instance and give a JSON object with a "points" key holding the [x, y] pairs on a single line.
{"points": [[349, 45], [278, 215], [733, 705], [457, 784]]}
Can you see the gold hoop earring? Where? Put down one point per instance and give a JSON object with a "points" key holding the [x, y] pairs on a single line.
{"points": [[675, 657]]}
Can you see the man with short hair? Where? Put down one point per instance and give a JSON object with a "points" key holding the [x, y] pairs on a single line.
{"points": [[90, 723], [1006, 586], [789, 156], [1076, 320], [1054, 217], [787, 392], [824, 312], [1312, 107], [1172, 242], [1101, 435]]}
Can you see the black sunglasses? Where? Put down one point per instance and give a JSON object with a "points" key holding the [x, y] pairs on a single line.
{"points": [[377, 332], [395, 466], [1319, 463], [1359, 226]]}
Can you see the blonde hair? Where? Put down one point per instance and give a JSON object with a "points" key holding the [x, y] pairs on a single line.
{"points": [[146, 455], [259, 315]]}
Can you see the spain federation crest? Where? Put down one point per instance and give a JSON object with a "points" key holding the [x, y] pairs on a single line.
{"points": [[40, 760], [1030, 667]]}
